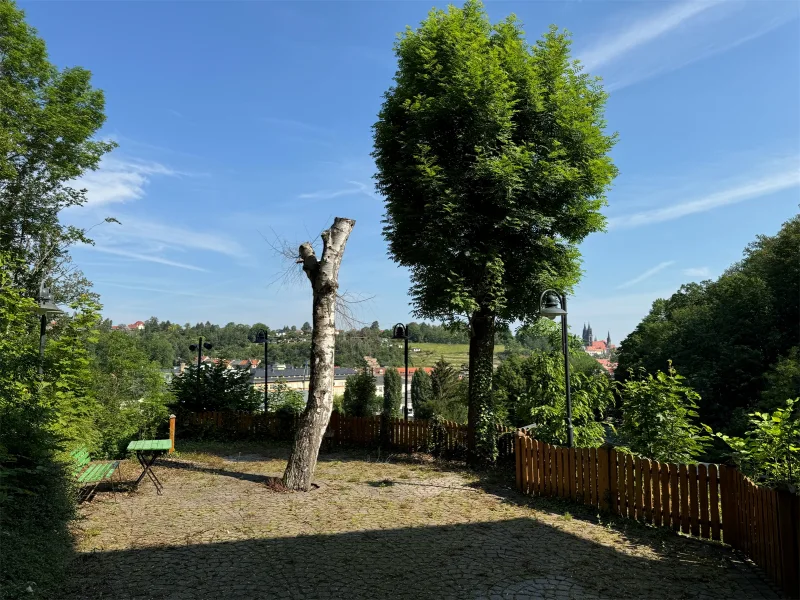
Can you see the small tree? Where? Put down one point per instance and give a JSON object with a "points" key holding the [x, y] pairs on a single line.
{"points": [[659, 417], [392, 393], [770, 451], [218, 389], [360, 399], [284, 400], [420, 391]]}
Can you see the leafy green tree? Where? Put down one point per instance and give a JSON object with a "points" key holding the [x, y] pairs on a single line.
{"points": [[448, 397], [530, 390], [659, 417], [360, 399], [770, 452], [781, 381], [218, 389], [494, 162], [49, 121], [421, 391], [284, 400], [392, 393], [130, 391]]}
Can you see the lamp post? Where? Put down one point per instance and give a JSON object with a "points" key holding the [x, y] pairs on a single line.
{"points": [[46, 308], [261, 338], [199, 347], [400, 332], [551, 305]]}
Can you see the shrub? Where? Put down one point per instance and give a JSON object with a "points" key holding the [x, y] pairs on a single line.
{"points": [[658, 417], [360, 399], [392, 393], [770, 452]]}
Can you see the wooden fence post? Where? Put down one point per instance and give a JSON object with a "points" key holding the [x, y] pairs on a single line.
{"points": [[172, 433]]}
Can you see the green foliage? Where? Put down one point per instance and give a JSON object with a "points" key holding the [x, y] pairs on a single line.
{"points": [[47, 129], [531, 391], [360, 399], [770, 451], [338, 404], [392, 393], [217, 388], [447, 395], [731, 338], [421, 391], [493, 160], [130, 391], [284, 400], [659, 418]]}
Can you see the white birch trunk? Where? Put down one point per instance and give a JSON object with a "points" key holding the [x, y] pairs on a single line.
{"points": [[323, 273]]}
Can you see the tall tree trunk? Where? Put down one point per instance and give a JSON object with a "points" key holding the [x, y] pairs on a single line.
{"points": [[482, 434], [323, 274]]}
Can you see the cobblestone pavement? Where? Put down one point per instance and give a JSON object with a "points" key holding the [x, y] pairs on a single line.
{"points": [[375, 529]]}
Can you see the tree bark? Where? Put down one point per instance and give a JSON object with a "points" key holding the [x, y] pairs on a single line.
{"points": [[323, 274], [481, 433]]}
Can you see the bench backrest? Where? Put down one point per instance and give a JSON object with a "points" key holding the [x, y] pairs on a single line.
{"points": [[81, 458]]}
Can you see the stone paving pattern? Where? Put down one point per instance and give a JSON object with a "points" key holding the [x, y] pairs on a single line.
{"points": [[375, 529]]}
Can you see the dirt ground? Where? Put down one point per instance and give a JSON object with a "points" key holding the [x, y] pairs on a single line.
{"points": [[375, 527]]}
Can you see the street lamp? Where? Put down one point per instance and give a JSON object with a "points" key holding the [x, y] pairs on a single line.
{"points": [[261, 338], [551, 305], [199, 347], [400, 332], [46, 308]]}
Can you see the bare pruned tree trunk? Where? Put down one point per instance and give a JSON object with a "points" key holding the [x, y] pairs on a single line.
{"points": [[323, 273]]}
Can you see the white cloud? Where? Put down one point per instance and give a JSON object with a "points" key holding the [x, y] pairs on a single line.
{"points": [[785, 179], [145, 257], [647, 274], [697, 272], [679, 35], [118, 180], [360, 188], [642, 32], [137, 230]]}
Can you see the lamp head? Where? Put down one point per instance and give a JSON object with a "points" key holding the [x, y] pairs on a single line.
{"points": [[261, 337], [192, 347], [399, 332], [46, 304], [550, 305], [207, 345]]}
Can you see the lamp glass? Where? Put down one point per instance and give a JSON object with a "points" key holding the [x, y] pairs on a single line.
{"points": [[399, 332], [551, 307]]}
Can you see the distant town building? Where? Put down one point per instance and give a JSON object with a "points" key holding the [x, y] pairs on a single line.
{"points": [[599, 349]]}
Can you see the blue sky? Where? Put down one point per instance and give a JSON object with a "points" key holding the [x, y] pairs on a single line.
{"points": [[237, 121]]}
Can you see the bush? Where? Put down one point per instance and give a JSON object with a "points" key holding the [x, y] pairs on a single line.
{"points": [[218, 389], [392, 393], [658, 418], [770, 452], [360, 399], [285, 401]]}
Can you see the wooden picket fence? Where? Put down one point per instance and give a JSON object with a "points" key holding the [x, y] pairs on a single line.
{"points": [[703, 500], [447, 439]]}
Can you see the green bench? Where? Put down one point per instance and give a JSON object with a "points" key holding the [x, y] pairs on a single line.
{"points": [[90, 474]]}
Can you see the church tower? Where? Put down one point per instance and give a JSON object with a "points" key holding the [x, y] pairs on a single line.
{"points": [[589, 336], [583, 335], [608, 341]]}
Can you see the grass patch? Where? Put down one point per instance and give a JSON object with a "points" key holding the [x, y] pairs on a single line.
{"points": [[455, 354]]}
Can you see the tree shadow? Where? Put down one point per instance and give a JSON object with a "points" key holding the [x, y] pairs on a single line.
{"points": [[271, 482], [519, 557]]}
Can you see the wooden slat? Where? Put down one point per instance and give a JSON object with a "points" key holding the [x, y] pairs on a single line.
{"points": [[772, 541], [639, 489], [630, 481], [552, 466], [594, 477], [526, 448], [713, 500], [560, 471], [544, 477], [622, 489], [587, 474], [579, 495], [518, 462], [683, 477], [647, 486], [694, 508], [531, 464], [612, 480], [702, 486], [666, 479], [674, 494], [571, 473], [656, 481]]}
